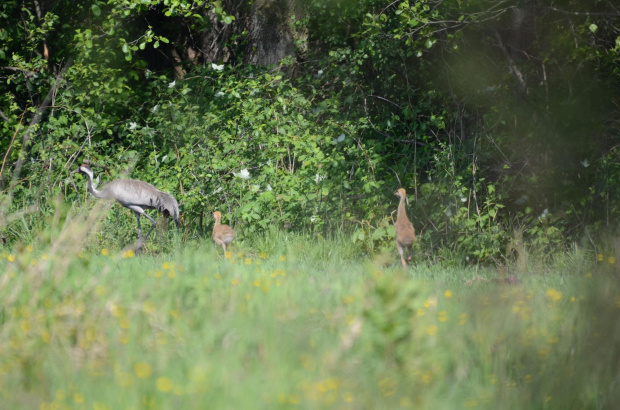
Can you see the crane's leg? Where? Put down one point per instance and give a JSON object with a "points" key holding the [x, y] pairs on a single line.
{"points": [[139, 230], [400, 252], [139, 212]]}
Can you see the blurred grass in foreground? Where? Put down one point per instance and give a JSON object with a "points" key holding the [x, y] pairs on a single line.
{"points": [[291, 323]]}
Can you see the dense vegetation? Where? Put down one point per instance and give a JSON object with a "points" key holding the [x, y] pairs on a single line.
{"points": [[501, 120], [298, 120]]}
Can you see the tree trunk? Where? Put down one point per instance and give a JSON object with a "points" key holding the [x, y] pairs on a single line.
{"points": [[271, 36]]}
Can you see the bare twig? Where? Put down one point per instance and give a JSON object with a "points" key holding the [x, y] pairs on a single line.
{"points": [[511, 64]]}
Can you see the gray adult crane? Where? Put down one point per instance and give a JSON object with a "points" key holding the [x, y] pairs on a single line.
{"points": [[137, 196]]}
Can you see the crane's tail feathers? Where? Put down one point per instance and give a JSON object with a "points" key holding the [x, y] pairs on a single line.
{"points": [[167, 205]]}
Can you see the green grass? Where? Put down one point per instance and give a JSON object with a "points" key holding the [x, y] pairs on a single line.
{"points": [[295, 321]]}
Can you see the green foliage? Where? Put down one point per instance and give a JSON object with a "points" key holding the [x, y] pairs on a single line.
{"points": [[387, 96]]}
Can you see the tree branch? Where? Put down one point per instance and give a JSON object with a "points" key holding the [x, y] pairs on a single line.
{"points": [[511, 64]]}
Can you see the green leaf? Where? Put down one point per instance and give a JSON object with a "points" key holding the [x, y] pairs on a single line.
{"points": [[378, 233], [593, 27], [156, 44], [96, 10]]}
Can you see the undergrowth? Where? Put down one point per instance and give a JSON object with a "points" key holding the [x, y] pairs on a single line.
{"points": [[299, 321]]}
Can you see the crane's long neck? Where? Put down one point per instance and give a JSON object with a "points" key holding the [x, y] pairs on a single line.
{"points": [[217, 221], [91, 189], [402, 213]]}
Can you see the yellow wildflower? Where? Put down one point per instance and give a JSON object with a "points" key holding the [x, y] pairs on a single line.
{"points": [[148, 306], [123, 323], [611, 260], [11, 258], [228, 254], [104, 252], [347, 397], [46, 336], [25, 326], [262, 255], [554, 294], [248, 261], [164, 384], [100, 406], [143, 370], [432, 330], [128, 254], [600, 257], [471, 402], [282, 258], [443, 316], [166, 265], [78, 397], [448, 294]]}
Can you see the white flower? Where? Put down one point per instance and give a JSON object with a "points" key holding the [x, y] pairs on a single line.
{"points": [[269, 188], [154, 109], [318, 178], [132, 126], [448, 212], [243, 174], [463, 199], [172, 84], [312, 218], [219, 94], [217, 67], [585, 163], [255, 188], [340, 138], [219, 189], [544, 214], [320, 73]]}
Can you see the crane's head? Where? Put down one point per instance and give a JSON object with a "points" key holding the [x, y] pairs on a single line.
{"points": [[84, 169], [217, 215], [401, 193]]}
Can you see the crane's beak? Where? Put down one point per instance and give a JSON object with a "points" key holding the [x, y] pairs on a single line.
{"points": [[74, 171]]}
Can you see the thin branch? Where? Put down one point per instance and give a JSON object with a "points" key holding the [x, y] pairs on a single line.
{"points": [[583, 13], [511, 64]]}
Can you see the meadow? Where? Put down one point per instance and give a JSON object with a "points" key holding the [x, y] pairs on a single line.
{"points": [[299, 321]]}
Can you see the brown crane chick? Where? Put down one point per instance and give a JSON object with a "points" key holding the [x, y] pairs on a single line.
{"points": [[222, 234], [405, 234]]}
